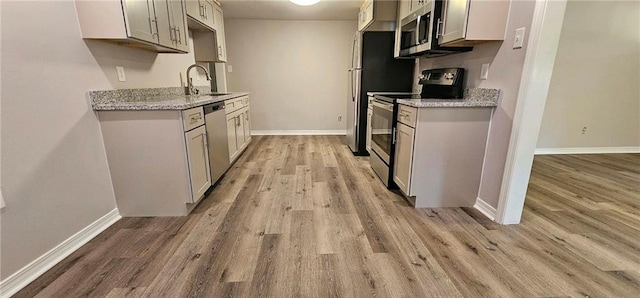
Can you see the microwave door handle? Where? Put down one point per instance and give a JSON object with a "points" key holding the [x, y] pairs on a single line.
{"points": [[418, 29]]}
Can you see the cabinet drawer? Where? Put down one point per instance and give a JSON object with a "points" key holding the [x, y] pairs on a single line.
{"points": [[407, 115], [233, 105], [192, 118]]}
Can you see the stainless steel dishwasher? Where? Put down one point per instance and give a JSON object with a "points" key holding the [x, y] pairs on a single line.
{"points": [[216, 124]]}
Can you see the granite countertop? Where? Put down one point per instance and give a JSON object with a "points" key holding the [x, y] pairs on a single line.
{"points": [[171, 98], [473, 98]]}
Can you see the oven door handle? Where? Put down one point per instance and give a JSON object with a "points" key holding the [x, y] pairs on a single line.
{"points": [[394, 135], [388, 107]]}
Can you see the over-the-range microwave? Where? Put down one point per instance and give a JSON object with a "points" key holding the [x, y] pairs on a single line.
{"points": [[419, 38]]}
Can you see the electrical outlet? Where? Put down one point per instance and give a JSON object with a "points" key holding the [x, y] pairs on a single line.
{"points": [[339, 118], [518, 40], [121, 76], [229, 68], [484, 73], [584, 130]]}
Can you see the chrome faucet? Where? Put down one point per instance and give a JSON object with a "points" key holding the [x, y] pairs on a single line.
{"points": [[190, 89]]}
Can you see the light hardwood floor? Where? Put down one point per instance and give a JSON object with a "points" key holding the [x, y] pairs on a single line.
{"points": [[300, 216]]}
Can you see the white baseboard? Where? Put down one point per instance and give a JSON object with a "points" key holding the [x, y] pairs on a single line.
{"points": [[587, 150], [298, 132], [485, 209], [39, 266]]}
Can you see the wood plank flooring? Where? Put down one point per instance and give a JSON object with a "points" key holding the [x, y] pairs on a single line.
{"points": [[300, 216]]}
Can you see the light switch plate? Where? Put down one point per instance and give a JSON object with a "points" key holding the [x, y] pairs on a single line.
{"points": [[2, 205], [121, 76], [484, 73], [229, 68], [518, 40]]}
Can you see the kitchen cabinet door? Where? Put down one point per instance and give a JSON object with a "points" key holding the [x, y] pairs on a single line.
{"points": [[415, 4], [177, 12], [218, 20], [232, 123], [404, 8], [140, 19], [240, 133], [247, 126], [201, 11], [404, 158], [365, 18], [454, 15], [198, 157], [469, 22], [163, 22]]}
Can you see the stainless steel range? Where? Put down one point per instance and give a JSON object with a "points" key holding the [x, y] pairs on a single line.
{"points": [[382, 138]]}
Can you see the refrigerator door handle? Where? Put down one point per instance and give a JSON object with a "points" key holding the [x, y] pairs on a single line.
{"points": [[353, 50], [351, 83]]}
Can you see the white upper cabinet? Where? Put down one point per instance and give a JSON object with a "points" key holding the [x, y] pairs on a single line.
{"points": [[415, 4], [218, 23], [178, 23], [467, 22], [405, 7], [377, 15], [140, 17], [209, 43], [202, 12], [157, 25]]}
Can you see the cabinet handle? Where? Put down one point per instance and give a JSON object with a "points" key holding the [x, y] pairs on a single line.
{"points": [[202, 10], [206, 142], [393, 137], [238, 120], [155, 24], [179, 34], [438, 33], [206, 15]]}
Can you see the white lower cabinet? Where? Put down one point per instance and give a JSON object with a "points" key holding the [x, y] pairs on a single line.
{"points": [[198, 156], [232, 124], [158, 160], [439, 154], [247, 126], [238, 125], [404, 156]]}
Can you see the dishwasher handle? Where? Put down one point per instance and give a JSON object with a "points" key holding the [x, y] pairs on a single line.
{"points": [[214, 107]]}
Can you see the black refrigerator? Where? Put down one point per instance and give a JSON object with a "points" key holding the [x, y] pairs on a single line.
{"points": [[372, 69]]}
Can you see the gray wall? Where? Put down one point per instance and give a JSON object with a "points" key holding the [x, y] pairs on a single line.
{"points": [[296, 71], [596, 78], [55, 177], [505, 73]]}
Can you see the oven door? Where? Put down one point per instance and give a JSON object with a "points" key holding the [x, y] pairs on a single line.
{"points": [[382, 130]]}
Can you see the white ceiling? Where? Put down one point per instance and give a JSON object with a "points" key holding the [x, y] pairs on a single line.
{"points": [[285, 10]]}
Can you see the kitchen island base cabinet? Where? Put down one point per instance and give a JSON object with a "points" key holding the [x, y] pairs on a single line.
{"points": [[158, 160], [438, 161]]}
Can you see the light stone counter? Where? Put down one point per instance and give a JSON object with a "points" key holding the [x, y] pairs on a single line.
{"points": [[171, 98], [473, 98]]}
